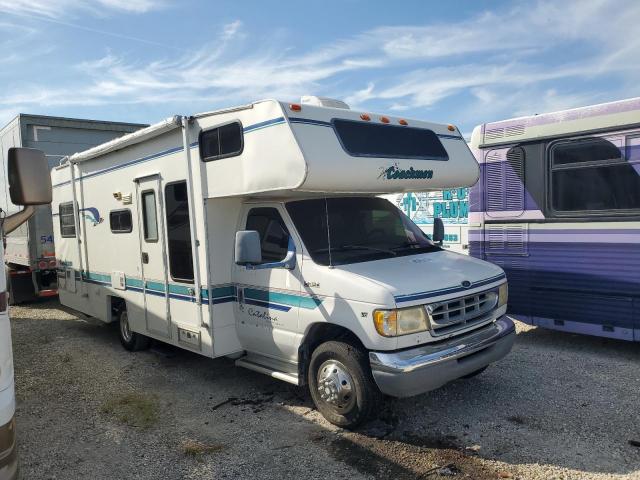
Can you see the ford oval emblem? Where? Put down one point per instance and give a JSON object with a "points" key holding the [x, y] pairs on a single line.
{"points": [[466, 284]]}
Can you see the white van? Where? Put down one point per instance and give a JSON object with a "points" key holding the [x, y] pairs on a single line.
{"points": [[28, 184], [255, 232]]}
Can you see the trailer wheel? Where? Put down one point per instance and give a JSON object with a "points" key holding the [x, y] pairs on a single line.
{"points": [[341, 384], [130, 340]]}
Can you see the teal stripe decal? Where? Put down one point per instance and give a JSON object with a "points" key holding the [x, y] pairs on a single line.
{"points": [[308, 303]]}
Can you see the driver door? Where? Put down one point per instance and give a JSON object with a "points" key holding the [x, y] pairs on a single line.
{"points": [[268, 298]]}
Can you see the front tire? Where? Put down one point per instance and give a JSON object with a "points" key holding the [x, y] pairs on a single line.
{"points": [[341, 384], [130, 340]]}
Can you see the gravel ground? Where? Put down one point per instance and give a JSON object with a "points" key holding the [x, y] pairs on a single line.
{"points": [[560, 406]]}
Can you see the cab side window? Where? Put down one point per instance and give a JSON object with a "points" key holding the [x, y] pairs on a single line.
{"points": [[274, 236]]}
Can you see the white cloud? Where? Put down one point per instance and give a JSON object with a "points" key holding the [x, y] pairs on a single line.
{"points": [[61, 8]]}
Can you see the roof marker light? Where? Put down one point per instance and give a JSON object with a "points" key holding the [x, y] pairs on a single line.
{"points": [[365, 117], [402, 121], [451, 128], [295, 107], [384, 119]]}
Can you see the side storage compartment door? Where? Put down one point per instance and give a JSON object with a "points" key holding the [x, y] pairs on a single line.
{"points": [[268, 298]]}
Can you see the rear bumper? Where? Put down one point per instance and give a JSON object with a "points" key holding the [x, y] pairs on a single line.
{"points": [[418, 370], [8, 452]]}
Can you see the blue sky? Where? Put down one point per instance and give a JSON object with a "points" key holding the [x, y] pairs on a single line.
{"points": [[463, 62]]}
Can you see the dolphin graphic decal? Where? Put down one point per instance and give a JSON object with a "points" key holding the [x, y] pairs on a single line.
{"points": [[93, 215]]}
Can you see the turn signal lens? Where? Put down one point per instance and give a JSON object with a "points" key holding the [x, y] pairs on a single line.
{"points": [[503, 294], [295, 107], [365, 117], [403, 122], [384, 119], [386, 322], [451, 128]]}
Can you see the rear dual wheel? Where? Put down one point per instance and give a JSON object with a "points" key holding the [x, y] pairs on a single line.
{"points": [[131, 340]]}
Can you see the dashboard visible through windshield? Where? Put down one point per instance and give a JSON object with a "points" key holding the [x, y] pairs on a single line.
{"points": [[340, 231]]}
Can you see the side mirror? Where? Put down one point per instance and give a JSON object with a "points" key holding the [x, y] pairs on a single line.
{"points": [[29, 180], [438, 230], [248, 251]]}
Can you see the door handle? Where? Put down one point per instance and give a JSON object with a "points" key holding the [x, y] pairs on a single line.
{"points": [[145, 257]]}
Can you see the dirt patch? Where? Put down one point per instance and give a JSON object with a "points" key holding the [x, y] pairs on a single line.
{"points": [[133, 409], [193, 448]]}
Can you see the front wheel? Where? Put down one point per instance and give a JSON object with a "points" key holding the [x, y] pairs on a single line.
{"points": [[130, 340], [341, 384]]}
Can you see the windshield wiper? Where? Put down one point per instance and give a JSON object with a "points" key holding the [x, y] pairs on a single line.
{"points": [[414, 244], [356, 247]]}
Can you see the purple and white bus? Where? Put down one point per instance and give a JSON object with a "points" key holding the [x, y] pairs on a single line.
{"points": [[557, 206]]}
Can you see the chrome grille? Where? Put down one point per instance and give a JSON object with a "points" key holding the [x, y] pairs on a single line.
{"points": [[462, 312]]}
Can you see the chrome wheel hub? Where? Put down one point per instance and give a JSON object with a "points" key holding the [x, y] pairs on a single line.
{"points": [[124, 327], [335, 385]]}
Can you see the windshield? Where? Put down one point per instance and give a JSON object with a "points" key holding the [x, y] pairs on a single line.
{"points": [[339, 231]]}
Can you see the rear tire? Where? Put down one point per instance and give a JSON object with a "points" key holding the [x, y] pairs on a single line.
{"points": [[130, 340], [341, 384]]}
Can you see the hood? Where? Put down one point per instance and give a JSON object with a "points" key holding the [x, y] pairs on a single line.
{"points": [[416, 279]]}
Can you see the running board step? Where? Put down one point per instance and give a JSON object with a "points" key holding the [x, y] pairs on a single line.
{"points": [[268, 370]]}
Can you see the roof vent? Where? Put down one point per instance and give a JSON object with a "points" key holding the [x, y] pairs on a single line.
{"points": [[323, 102]]}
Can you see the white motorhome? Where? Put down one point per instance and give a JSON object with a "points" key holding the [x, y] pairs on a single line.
{"points": [[27, 174], [255, 232]]}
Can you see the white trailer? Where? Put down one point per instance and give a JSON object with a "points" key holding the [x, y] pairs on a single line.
{"points": [[256, 232]]}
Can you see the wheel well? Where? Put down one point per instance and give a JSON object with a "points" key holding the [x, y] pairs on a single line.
{"points": [[116, 307], [318, 334]]}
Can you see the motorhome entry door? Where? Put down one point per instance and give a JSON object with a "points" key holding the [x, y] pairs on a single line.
{"points": [[153, 263]]}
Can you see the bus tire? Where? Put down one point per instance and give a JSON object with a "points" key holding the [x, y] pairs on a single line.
{"points": [[341, 384], [130, 340]]}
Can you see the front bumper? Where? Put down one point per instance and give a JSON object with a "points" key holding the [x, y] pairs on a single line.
{"points": [[8, 452], [418, 370]]}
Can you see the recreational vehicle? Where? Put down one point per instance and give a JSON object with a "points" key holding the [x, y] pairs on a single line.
{"points": [[29, 184], [29, 250], [558, 208], [256, 232]]}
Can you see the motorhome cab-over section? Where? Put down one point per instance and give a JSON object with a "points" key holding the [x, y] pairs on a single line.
{"points": [[256, 232], [558, 208]]}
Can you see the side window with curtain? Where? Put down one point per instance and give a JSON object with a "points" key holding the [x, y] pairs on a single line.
{"points": [[221, 142], [274, 236], [593, 176]]}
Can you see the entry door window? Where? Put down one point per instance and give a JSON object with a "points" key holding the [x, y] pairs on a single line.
{"points": [[149, 216], [179, 232], [274, 236]]}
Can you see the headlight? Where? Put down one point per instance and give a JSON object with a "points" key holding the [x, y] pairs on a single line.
{"points": [[503, 294], [393, 323]]}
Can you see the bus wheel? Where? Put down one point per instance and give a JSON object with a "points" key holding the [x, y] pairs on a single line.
{"points": [[130, 340], [341, 384]]}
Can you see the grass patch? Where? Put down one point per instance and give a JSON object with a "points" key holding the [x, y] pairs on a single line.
{"points": [[134, 409], [192, 448]]}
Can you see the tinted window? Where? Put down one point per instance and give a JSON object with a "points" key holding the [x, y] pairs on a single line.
{"points": [[149, 216], [274, 236], [592, 175], [338, 231], [179, 232], [67, 220], [221, 142], [120, 221], [361, 139]]}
